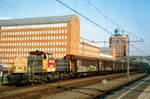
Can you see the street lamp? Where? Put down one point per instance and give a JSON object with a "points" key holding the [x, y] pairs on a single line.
{"points": [[128, 69], [128, 64]]}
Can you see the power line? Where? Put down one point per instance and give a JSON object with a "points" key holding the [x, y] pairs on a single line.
{"points": [[21, 9], [112, 21], [139, 50], [133, 35], [102, 13], [17, 8], [104, 29]]}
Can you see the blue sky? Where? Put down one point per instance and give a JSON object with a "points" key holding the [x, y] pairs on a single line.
{"points": [[131, 15]]}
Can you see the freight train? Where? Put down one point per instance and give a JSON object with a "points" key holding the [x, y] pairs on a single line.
{"points": [[41, 67]]}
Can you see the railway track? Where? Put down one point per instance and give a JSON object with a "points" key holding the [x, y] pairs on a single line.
{"points": [[5, 88], [36, 91]]}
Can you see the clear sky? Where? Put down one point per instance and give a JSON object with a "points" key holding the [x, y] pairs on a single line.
{"points": [[131, 15]]}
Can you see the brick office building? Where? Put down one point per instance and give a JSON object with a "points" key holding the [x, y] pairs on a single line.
{"points": [[59, 35]]}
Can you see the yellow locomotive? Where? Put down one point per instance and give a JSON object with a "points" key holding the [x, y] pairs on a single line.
{"points": [[34, 68]]}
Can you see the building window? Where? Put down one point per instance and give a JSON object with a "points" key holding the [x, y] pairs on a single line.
{"points": [[65, 31]]}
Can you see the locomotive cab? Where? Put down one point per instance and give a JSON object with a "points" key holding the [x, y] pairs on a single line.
{"points": [[39, 61]]}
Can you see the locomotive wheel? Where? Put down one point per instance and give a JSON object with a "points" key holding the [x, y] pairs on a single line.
{"points": [[62, 76]]}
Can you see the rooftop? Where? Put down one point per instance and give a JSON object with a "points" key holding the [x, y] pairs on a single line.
{"points": [[106, 50], [38, 20], [118, 34]]}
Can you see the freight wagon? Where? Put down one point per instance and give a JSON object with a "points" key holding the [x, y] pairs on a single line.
{"points": [[83, 65]]}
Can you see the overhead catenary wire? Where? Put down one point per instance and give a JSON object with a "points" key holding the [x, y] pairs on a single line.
{"points": [[100, 11], [29, 13], [112, 21], [107, 17], [17, 8], [133, 35], [84, 17], [104, 29], [139, 50]]}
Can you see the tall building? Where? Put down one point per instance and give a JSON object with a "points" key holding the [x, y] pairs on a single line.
{"points": [[59, 35], [120, 43]]}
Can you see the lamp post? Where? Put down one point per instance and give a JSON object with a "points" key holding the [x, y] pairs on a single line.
{"points": [[128, 54], [128, 64]]}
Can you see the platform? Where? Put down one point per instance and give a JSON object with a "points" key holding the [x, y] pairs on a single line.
{"points": [[137, 90]]}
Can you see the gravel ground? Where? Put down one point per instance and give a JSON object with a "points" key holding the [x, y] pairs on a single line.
{"points": [[92, 91], [38, 91]]}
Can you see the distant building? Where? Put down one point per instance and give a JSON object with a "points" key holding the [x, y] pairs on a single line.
{"points": [[120, 43], [59, 35], [89, 49], [108, 53]]}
